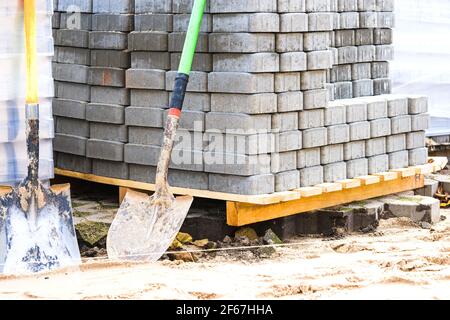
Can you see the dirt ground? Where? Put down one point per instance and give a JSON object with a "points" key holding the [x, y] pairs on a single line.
{"points": [[398, 261]]}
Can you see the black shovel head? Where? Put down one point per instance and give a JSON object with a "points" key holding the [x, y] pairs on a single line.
{"points": [[36, 229]]}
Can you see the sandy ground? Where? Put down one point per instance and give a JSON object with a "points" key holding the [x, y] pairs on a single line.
{"points": [[399, 261]]}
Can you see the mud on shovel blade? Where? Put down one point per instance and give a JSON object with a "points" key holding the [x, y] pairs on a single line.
{"points": [[36, 225], [145, 226]]}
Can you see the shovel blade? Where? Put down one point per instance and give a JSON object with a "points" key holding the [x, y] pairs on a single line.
{"points": [[41, 242], [143, 231]]}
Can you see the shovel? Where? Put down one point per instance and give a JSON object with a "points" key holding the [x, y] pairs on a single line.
{"points": [[144, 226], [36, 225]]}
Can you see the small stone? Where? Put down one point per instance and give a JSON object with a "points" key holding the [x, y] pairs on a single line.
{"points": [[271, 238], [227, 240], [184, 238], [265, 252], [248, 233]]}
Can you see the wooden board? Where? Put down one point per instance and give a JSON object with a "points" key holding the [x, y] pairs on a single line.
{"points": [[241, 214]]}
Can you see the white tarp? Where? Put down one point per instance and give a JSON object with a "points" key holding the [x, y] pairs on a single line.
{"points": [[422, 56]]}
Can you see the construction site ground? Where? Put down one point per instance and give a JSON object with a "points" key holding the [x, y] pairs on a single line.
{"points": [[400, 260]]}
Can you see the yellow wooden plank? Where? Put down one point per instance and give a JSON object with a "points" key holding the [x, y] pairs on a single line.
{"points": [[307, 192], [387, 176], [405, 172], [350, 183], [368, 180], [329, 187], [241, 214]]}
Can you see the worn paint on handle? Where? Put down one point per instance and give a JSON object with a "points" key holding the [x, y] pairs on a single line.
{"points": [[31, 51]]}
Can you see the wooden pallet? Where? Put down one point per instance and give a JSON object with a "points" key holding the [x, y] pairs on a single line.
{"points": [[247, 209]]}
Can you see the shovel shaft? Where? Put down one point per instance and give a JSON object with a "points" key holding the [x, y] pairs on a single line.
{"points": [[179, 92], [32, 116]]}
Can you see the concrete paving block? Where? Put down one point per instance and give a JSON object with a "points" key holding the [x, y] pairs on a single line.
{"points": [[385, 5], [110, 58], [399, 159], [73, 163], [116, 22], [72, 91], [380, 70], [311, 176], [347, 55], [202, 61], [330, 89], [244, 103], [309, 119], [74, 127], [238, 122], [290, 101], [144, 117], [287, 121], [375, 146], [287, 81], [288, 180], [105, 150], [185, 6], [110, 95], [69, 108], [316, 137], [293, 61], [319, 60], [335, 114], [177, 39], [257, 62], [112, 6], [110, 77], [343, 90], [311, 80], [82, 5], [384, 53], [318, 6], [70, 72], [72, 55], [181, 22], [150, 60], [108, 40], [240, 82], [291, 6], [320, 21], [107, 131], [315, 99], [255, 185], [331, 154], [363, 88], [288, 141], [383, 36], [191, 120], [357, 168], [386, 20], [338, 134], [397, 105], [349, 20], [236, 164], [289, 42], [366, 53], [316, 41], [361, 71], [344, 38], [74, 21], [368, 20], [401, 124], [395, 142], [72, 38], [145, 136], [364, 37], [415, 140], [378, 164], [382, 86], [283, 161], [153, 22], [293, 22], [150, 6], [146, 79], [354, 150], [308, 158], [234, 6], [420, 122], [380, 128], [241, 42], [150, 98], [110, 169], [417, 104], [418, 156], [334, 172], [419, 209], [251, 144], [429, 190], [105, 113], [176, 178], [341, 73], [347, 5], [359, 131], [148, 41], [70, 144], [253, 22]]}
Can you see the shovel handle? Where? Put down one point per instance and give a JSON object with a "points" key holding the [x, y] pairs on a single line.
{"points": [[179, 92], [31, 51]]}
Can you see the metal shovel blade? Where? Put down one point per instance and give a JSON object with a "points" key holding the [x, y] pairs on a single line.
{"points": [[144, 228], [36, 229]]}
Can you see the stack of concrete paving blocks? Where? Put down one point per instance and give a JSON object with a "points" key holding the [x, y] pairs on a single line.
{"points": [[13, 155], [362, 46], [72, 23]]}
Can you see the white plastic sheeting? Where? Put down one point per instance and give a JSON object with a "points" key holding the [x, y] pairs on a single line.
{"points": [[13, 157], [422, 56]]}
